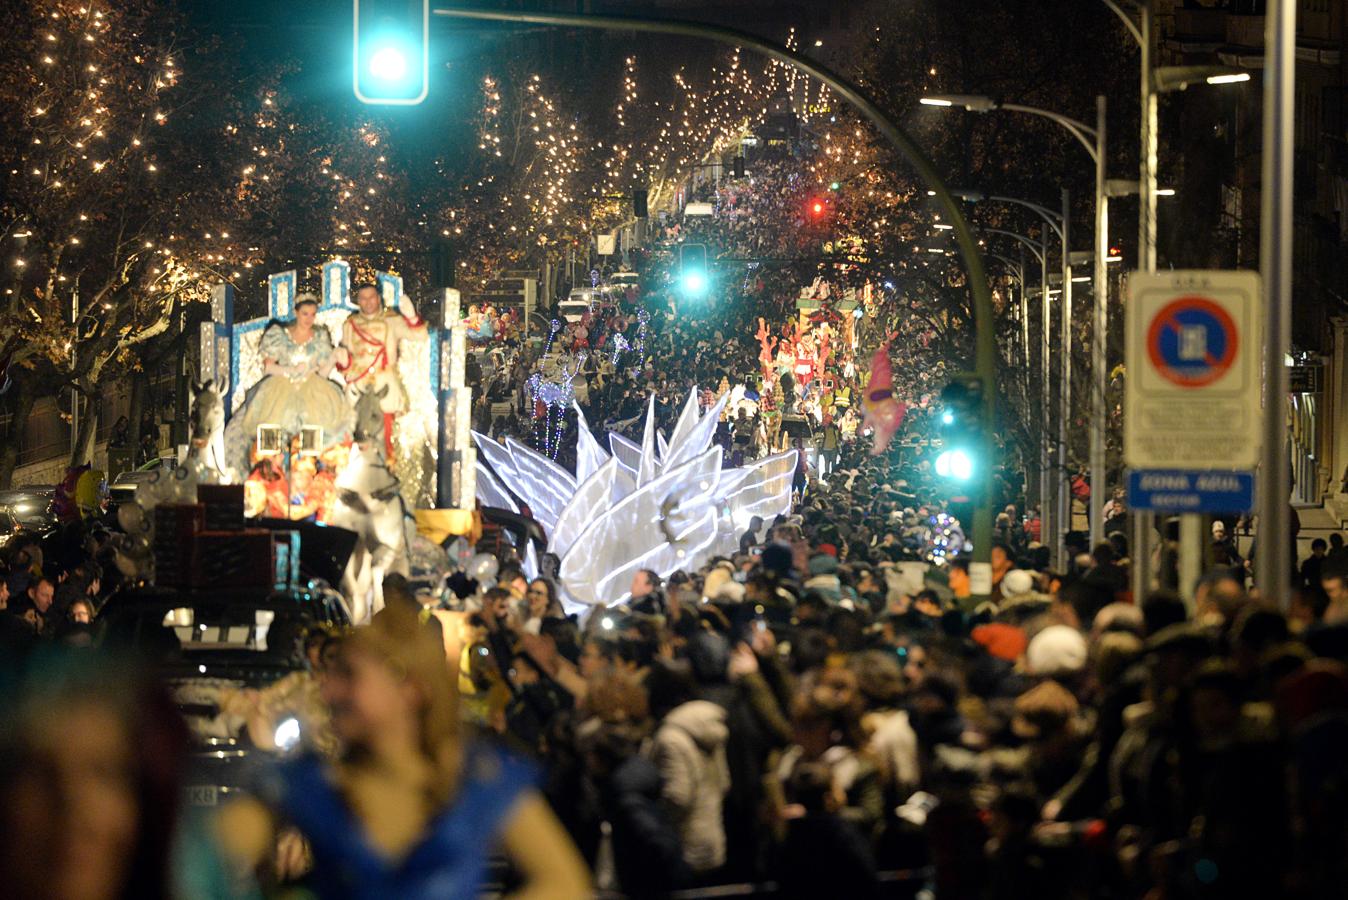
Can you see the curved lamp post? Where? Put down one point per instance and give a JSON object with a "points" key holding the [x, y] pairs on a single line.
{"points": [[985, 353]]}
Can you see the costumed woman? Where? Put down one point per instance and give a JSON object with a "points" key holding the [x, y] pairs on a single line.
{"points": [[411, 808], [295, 391]]}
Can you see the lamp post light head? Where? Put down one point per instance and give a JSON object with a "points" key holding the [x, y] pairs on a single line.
{"points": [[971, 196], [1125, 187], [970, 102], [1177, 78]]}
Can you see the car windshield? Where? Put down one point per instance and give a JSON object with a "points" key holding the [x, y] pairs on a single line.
{"points": [[195, 631], [207, 629]]}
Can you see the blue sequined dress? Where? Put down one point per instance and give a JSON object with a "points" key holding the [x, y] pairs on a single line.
{"points": [[447, 863]]}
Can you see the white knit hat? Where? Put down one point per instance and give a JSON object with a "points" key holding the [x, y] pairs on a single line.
{"points": [[1017, 583], [1057, 650]]}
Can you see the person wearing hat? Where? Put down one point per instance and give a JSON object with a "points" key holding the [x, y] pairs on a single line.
{"points": [[1046, 719], [295, 391], [1057, 651], [824, 577]]}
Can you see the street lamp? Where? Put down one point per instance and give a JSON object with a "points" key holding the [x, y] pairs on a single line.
{"points": [[1153, 83], [1016, 272], [1093, 140], [1047, 483], [1059, 492]]}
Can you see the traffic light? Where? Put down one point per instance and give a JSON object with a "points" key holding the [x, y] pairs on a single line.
{"points": [[738, 166], [963, 430], [693, 278], [391, 51], [640, 203]]}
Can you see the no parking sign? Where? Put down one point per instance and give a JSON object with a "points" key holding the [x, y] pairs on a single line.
{"points": [[1193, 394]]}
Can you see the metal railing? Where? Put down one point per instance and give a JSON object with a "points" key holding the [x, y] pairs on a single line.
{"points": [[894, 883]]}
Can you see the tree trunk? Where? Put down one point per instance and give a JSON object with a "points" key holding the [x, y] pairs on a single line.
{"points": [[87, 437], [21, 398], [140, 383], [182, 399]]}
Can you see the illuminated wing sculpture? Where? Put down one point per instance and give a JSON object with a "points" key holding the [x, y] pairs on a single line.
{"points": [[660, 505]]}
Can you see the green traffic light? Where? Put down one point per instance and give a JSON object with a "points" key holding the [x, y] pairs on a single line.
{"points": [[833, 186], [694, 283], [388, 64], [956, 464], [391, 51]]}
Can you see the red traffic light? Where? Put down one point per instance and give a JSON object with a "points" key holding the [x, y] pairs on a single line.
{"points": [[817, 208]]}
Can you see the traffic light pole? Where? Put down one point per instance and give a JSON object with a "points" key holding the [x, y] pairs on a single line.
{"points": [[985, 351]]}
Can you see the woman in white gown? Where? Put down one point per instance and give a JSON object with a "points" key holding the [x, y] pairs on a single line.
{"points": [[295, 390]]}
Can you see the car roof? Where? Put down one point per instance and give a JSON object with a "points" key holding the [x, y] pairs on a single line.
{"points": [[151, 598]]}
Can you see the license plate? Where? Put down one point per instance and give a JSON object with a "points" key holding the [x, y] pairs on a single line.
{"points": [[203, 795]]}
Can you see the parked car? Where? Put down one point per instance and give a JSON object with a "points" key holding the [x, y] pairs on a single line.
{"points": [[123, 487], [9, 526], [31, 506], [205, 643], [577, 304], [620, 281]]}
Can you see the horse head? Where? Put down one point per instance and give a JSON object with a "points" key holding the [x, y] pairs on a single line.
{"points": [[208, 410], [370, 416]]}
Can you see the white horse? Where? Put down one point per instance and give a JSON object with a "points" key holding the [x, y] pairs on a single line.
{"points": [[206, 454], [369, 504]]}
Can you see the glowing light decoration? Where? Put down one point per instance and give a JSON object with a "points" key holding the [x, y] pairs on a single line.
{"points": [[941, 538], [643, 320], [619, 345], [552, 387], [639, 507]]}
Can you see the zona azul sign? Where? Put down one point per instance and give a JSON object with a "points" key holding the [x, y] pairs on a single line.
{"points": [[1187, 491]]}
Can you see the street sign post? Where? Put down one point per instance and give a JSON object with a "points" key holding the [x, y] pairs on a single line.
{"points": [[1192, 405]]}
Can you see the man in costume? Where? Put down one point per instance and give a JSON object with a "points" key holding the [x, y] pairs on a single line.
{"points": [[371, 338]]}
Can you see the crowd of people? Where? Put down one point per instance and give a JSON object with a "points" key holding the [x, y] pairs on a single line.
{"points": [[810, 713], [823, 713], [661, 342]]}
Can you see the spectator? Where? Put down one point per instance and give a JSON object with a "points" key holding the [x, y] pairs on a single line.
{"points": [[1310, 568], [689, 751]]}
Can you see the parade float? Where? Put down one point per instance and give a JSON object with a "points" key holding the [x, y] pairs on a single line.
{"points": [[231, 513], [409, 472]]}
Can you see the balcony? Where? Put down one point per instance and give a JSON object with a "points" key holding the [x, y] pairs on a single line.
{"points": [[1200, 25], [1245, 31]]}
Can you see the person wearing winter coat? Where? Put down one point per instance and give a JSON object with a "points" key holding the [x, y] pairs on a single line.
{"points": [[823, 854], [689, 751]]}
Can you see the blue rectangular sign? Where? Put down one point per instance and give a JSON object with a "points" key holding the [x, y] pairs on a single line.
{"points": [[1190, 491]]}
